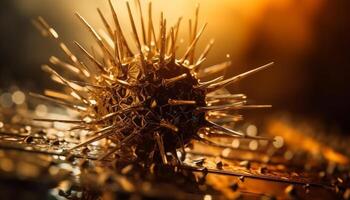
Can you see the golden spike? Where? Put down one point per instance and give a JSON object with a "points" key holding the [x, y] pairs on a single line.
{"points": [[190, 31], [216, 86], [234, 133], [225, 129], [57, 95], [142, 22], [173, 43], [97, 38], [109, 115], [205, 84], [48, 28], [117, 47], [118, 28], [214, 69], [253, 106], [133, 26], [123, 142], [228, 96], [56, 61], [198, 63], [107, 40], [54, 35], [160, 143], [151, 31], [66, 82], [189, 49], [162, 42], [232, 106], [92, 59], [105, 23], [74, 59], [59, 102], [105, 132], [194, 33], [124, 83], [207, 49], [169, 81], [177, 28], [61, 121], [85, 84], [160, 31], [181, 102], [40, 28], [168, 125]]}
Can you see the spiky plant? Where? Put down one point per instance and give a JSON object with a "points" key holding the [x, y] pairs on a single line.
{"points": [[146, 103]]}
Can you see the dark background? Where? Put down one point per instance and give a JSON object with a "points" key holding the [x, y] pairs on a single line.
{"points": [[308, 41]]}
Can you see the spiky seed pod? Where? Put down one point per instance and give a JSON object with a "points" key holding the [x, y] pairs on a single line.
{"points": [[148, 103]]}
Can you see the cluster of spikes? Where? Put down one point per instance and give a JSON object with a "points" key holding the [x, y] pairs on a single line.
{"points": [[146, 104]]}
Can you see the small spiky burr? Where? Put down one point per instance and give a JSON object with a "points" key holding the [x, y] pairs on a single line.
{"points": [[148, 103]]}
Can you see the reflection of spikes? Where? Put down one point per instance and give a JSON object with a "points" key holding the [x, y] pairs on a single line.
{"points": [[97, 37], [226, 82], [105, 132], [105, 23], [118, 28], [169, 81], [232, 106], [206, 50], [160, 144], [119, 145], [168, 125], [194, 42], [214, 69], [59, 102], [92, 58], [181, 102]]}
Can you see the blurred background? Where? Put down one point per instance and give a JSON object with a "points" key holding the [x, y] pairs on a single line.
{"points": [[308, 40]]}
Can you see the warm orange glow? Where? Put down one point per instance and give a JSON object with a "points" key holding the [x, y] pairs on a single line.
{"points": [[297, 139]]}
